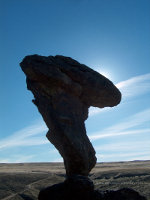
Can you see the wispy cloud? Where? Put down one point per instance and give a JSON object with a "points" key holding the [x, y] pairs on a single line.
{"points": [[132, 121], [135, 86], [94, 110], [5, 160], [124, 156], [130, 88], [17, 159], [58, 160], [25, 137], [124, 146], [22, 158], [122, 127], [129, 150], [100, 135]]}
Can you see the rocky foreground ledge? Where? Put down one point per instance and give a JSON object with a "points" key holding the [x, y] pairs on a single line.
{"points": [[80, 188]]}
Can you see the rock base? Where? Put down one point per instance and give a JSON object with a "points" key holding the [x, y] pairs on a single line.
{"points": [[80, 187]]}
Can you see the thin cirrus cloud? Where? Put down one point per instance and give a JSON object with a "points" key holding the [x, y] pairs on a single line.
{"points": [[130, 88], [124, 146], [101, 135], [122, 127], [132, 121], [135, 86], [25, 137], [125, 156], [123, 151], [18, 159], [131, 150]]}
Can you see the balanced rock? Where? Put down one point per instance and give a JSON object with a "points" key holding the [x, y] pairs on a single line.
{"points": [[63, 90]]}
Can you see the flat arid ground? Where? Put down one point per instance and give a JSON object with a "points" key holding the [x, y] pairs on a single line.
{"points": [[25, 180]]}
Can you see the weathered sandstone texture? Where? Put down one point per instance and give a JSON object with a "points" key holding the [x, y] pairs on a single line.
{"points": [[63, 90]]}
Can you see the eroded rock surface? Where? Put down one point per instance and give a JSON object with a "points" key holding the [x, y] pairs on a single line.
{"points": [[63, 90], [69, 191]]}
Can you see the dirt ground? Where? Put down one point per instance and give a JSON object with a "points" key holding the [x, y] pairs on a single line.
{"points": [[25, 180]]}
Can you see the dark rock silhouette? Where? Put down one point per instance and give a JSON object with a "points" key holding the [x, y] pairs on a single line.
{"points": [[74, 187], [64, 89], [80, 188]]}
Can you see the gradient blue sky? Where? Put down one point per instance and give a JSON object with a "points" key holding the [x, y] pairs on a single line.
{"points": [[110, 36]]}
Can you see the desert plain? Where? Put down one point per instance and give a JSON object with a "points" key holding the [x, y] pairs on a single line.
{"points": [[23, 181]]}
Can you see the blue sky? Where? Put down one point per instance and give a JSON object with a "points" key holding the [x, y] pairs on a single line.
{"points": [[112, 37]]}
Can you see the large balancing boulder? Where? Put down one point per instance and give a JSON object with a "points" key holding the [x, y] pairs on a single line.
{"points": [[63, 91]]}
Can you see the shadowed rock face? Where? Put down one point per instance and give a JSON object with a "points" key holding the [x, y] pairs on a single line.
{"points": [[80, 188], [64, 90]]}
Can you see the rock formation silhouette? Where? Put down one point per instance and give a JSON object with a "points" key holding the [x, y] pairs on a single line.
{"points": [[63, 91]]}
